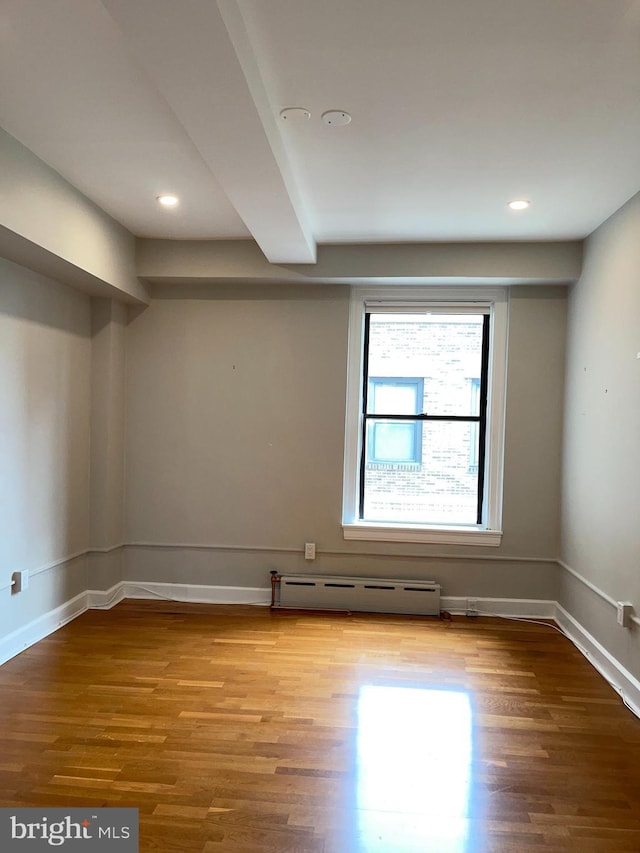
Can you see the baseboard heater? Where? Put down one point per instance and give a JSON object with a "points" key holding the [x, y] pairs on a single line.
{"points": [[371, 595]]}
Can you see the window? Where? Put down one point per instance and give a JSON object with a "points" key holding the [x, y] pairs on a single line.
{"points": [[423, 450], [389, 440]]}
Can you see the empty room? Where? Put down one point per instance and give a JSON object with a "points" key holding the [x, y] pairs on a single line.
{"points": [[320, 419]]}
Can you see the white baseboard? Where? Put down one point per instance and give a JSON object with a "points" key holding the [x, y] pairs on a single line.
{"points": [[39, 628], [611, 669], [527, 608]]}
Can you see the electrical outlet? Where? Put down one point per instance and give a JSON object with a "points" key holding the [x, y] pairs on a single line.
{"points": [[624, 611], [472, 606], [309, 550], [20, 581]]}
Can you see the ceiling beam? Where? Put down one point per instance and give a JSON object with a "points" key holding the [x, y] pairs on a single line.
{"points": [[203, 65], [225, 261], [48, 226]]}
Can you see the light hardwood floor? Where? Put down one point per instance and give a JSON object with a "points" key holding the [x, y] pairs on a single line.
{"points": [[238, 730]]}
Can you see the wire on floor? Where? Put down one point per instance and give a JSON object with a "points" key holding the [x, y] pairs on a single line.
{"points": [[187, 600], [581, 648]]}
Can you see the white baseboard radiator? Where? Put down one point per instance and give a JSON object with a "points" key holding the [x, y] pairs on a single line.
{"points": [[371, 595]]}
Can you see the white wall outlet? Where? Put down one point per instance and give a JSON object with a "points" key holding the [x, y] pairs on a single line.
{"points": [[309, 550], [624, 611], [472, 606], [20, 581]]}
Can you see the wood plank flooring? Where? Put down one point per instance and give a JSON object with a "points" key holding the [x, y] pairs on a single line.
{"points": [[238, 730]]}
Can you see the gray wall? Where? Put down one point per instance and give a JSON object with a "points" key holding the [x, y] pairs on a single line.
{"points": [[45, 358], [601, 460], [235, 420], [533, 434], [108, 328]]}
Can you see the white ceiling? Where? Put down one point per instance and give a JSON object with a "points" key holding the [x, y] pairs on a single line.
{"points": [[457, 108]]}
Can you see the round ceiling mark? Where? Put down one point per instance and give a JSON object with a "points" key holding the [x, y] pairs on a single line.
{"points": [[295, 115], [336, 118]]}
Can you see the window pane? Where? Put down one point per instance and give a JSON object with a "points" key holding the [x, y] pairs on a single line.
{"points": [[387, 399], [442, 490], [393, 442], [445, 350]]}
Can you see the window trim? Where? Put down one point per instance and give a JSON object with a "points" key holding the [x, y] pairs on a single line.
{"points": [[436, 299]]}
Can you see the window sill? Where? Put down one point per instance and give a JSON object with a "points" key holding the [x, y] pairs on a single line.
{"points": [[372, 532]]}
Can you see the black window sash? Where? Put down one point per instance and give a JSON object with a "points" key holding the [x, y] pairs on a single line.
{"points": [[480, 418], [484, 377]]}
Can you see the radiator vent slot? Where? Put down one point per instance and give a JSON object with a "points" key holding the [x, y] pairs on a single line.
{"points": [[372, 595]]}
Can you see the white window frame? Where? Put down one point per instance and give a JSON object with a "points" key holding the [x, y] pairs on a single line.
{"points": [[459, 298]]}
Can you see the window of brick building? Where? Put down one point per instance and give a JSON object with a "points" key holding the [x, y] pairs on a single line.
{"points": [[391, 440], [423, 457]]}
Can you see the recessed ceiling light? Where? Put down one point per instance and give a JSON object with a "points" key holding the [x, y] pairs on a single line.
{"points": [[519, 204], [167, 200]]}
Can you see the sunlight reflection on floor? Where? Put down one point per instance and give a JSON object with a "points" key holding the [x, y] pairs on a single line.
{"points": [[414, 753]]}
